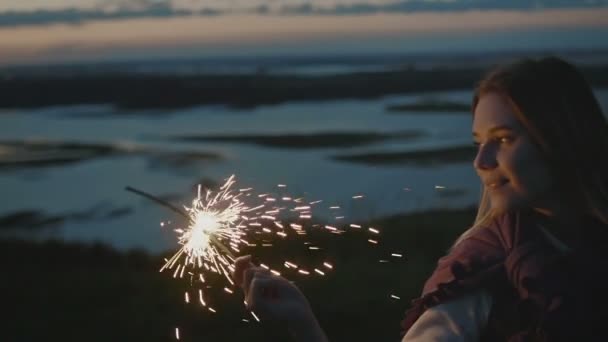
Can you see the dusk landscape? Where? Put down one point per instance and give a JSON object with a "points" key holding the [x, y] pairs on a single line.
{"points": [[361, 104]]}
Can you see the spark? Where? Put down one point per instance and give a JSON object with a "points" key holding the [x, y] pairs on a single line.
{"points": [[255, 208], [200, 297], [212, 310], [355, 226], [281, 185], [187, 297], [303, 272], [335, 207], [439, 187], [395, 297], [228, 290], [319, 271], [255, 316], [313, 248], [177, 333], [397, 255], [276, 273], [374, 230], [372, 241], [289, 264], [328, 265], [357, 196]]}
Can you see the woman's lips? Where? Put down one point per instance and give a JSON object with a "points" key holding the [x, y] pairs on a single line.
{"points": [[497, 184]]}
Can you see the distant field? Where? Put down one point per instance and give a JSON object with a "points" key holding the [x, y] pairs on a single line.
{"points": [[131, 91]]}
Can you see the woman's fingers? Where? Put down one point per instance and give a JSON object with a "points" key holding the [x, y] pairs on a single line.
{"points": [[262, 291], [260, 287], [275, 298], [249, 275], [241, 265]]}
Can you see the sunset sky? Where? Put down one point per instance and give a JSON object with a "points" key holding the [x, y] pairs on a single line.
{"points": [[42, 31]]}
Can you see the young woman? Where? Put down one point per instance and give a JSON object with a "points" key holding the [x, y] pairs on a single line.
{"points": [[531, 267]]}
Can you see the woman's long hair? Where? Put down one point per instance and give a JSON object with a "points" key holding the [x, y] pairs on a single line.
{"points": [[559, 111]]}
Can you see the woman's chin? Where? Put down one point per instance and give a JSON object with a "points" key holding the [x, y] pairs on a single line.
{"points": [[502, 205]]}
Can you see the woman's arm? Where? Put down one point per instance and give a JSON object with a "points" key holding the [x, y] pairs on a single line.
{"points": [[459, 320]]}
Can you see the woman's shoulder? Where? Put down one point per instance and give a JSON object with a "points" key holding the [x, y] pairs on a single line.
{"points": [[497, 234], [482, 251], [503, 231], [474, 263]]}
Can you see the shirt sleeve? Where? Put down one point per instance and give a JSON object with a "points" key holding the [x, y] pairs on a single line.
{"points": [[458, 320]]}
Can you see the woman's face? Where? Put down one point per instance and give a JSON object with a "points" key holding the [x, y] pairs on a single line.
{"points": [[508, 163]]}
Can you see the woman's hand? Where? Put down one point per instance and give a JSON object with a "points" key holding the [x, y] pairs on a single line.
{"points": [[275, 298]]}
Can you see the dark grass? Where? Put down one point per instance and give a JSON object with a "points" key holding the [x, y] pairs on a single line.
{"points": [[35, 219], [428, 158], [43, 154], [33, 154], [71, 292], [305, 141], [425, 106]]}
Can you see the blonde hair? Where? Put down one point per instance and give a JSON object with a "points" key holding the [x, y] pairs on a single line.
{"points": [[556, 105]]}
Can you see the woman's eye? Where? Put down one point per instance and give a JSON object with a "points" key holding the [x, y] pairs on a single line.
{"points": [[504, 140]]}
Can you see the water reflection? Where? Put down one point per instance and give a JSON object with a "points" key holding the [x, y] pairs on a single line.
{"points": [[58, 192]]}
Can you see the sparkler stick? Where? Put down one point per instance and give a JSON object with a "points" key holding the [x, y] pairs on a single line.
{"points": [[158, 200]]}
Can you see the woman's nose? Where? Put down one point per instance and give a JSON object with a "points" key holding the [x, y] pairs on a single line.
{"points": [[486, 158]]}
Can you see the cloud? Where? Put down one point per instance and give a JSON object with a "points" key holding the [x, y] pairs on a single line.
{"points": [[408, 6], [126, 9], [76, 16]]}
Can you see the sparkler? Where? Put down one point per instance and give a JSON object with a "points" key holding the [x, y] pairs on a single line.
{"points": [[214, 230], [217, 226]]}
